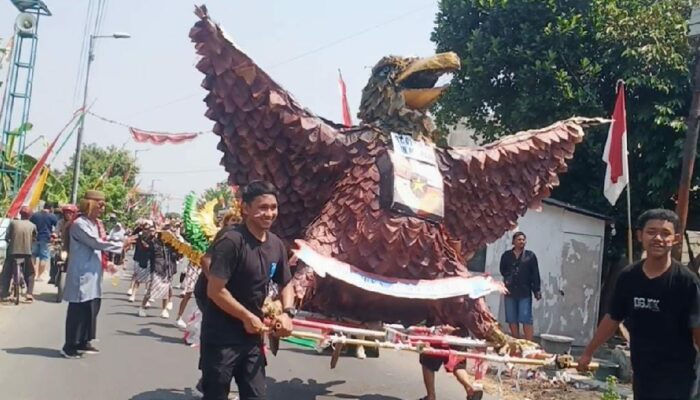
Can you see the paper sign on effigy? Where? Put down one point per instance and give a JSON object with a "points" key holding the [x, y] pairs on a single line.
{"points": [[411, 181]]}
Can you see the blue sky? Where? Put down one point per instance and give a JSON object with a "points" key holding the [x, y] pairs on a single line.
{"points": [[149, 81]]}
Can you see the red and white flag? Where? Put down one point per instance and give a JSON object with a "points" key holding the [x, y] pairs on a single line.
{"points": [[615, 154], [347, 119]]}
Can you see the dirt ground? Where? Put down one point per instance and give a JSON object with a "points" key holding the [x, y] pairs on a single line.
{"points": [[536, 390]]}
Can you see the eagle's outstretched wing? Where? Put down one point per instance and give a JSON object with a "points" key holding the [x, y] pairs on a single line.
{"points": [[264, 133], [488, 188]]}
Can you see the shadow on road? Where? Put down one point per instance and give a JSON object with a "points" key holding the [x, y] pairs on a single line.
{"points": [[132, 314], [160, 324], [35, 351], [115, 298], [366, 397], [298, 389], [46, 297], [149, 333], [294, 388], [165, 394]]}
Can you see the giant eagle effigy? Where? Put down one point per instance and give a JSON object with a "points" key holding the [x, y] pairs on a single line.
{"points": [[378, 207]]}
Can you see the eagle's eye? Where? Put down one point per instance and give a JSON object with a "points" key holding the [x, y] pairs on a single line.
{"points": [[385, 71]]}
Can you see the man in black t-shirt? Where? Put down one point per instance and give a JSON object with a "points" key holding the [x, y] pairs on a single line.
{"points": [[521, 275], [659, 301], [244, 262]]}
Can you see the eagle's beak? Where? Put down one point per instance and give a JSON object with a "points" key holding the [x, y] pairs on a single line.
{"points": [[419, 78]]}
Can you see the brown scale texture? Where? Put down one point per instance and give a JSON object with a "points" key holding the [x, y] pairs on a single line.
{"points": [[329, 183]]}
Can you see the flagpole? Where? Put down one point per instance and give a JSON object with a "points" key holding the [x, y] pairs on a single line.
{"points": [[630, 247], [630, 230]]}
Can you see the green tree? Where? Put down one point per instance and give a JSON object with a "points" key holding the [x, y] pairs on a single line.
{"points": [[528, 63], [110, 169]]}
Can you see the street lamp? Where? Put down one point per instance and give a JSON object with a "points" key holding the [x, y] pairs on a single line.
{"points": [[79, 143]]}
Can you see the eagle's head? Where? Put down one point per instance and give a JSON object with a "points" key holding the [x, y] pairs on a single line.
{"points": [[401, 90]]}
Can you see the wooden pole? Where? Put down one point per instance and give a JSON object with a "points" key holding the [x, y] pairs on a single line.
{"points": [[630, 247], [689, 154]]}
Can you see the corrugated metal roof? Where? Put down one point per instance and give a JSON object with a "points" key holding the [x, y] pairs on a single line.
{"points": [[576, 209]]}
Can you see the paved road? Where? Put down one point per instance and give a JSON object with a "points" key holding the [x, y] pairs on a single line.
{"points": [[145, 359]]}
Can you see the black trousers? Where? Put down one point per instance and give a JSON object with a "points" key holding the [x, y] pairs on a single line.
{"points": [[81, 323], [244, 363], [201, 304], [8, 272]]}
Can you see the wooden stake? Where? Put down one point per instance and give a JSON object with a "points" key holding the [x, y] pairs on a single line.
{"points": [[689, 150], [336, 354]]}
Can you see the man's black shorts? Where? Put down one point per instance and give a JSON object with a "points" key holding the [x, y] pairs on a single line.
{"points": [[434, 363], [244, 363]]}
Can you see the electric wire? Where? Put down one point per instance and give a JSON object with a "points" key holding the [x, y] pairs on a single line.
{"points": [[83, 53], [297, 57]]}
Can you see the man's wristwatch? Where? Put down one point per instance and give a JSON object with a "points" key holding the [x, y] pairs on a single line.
{"points": [[291, 311]]}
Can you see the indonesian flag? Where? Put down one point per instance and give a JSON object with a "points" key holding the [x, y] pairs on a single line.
{"points": [[347, 120], [142, 136], [615, 154]]}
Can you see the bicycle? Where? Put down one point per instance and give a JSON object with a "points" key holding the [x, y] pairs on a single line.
{"points": [[17, 279]]}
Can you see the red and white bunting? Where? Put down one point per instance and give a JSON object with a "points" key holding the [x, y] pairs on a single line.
{"points": [[159, 138]]}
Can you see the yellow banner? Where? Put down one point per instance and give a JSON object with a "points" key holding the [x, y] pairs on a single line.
{"points": [[38, 188]]}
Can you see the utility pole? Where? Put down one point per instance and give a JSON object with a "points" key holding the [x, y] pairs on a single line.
{"points": [[691, 136], [79, 142]]}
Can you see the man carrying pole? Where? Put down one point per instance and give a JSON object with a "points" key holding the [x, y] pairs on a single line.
{"points": [[244, 261]]}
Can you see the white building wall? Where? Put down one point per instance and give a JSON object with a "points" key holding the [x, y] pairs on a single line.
{"points": [[462, 136], [569, 249]]}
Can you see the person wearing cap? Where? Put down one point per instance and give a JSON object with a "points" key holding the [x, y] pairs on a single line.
{"points": [[83, 291], [69, 212]]}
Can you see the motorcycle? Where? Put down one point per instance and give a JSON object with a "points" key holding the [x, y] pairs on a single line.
{"points": [[59, 264]]}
